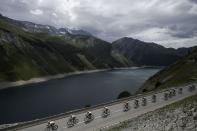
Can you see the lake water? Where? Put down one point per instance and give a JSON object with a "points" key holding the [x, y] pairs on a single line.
{"points": [[56, 96]]}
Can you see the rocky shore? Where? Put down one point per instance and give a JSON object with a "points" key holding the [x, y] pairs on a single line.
{"points": [[7, 84]]}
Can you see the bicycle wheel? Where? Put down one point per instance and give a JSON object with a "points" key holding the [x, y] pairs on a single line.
{"points": [[76, 121], [69, 124], [55, 127]]}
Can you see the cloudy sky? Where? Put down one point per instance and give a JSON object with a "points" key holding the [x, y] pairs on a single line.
{"points": [[172, 23]]}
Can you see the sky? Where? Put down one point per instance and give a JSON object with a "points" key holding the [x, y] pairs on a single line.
{"points": [[171, 23]]}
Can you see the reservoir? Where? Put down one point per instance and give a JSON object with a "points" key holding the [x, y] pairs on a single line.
{"points": [[56, 96]]}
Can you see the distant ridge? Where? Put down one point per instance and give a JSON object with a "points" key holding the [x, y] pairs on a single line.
{"points": [[144, 53]]}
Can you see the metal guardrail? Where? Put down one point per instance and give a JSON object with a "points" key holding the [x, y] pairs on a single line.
{"points": [[80, 111]]}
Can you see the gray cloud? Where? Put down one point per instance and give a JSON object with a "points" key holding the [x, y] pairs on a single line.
{"points": [[170, 23], [194, 1]]}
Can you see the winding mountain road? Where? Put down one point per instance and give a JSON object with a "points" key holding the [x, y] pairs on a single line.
{"points": [[117, 115]]}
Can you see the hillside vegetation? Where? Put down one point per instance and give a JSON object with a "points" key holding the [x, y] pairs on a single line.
{"points": [[181, 72], [26, 54]]}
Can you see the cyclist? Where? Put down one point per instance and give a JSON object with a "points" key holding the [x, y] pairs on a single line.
{"points": [[72, 121], [126, 106], [88, 117], [106, 112], [165, 96], [52, 125], [136, 104], [180, 90], [144, 101], [154, 98]]}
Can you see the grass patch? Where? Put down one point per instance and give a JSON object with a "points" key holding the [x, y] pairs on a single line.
{"points": [[86, 62], [183, 71], [120, 58]]}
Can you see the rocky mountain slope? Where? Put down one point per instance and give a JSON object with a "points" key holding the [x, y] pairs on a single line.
{"points": [[38, 28], [143, 53], [182, 71], [28, 52], [180, 116]]}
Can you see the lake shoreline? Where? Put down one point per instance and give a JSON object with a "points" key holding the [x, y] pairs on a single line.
{"points": [[69, 93], [8, 84]]}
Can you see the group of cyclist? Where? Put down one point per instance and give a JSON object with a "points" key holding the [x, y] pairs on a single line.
{"points": [[171, 93], [89, 116], [106, 112]]}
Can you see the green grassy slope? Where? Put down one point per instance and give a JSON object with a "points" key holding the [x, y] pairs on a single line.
{"points": [[183, 71], [25, 55]]}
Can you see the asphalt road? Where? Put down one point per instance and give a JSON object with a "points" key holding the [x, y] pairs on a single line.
{"points": [[117, 115]]}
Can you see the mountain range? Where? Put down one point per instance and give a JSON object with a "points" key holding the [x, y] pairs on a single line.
{"points": [[30, 50], [151, 54], [38, 28]]}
